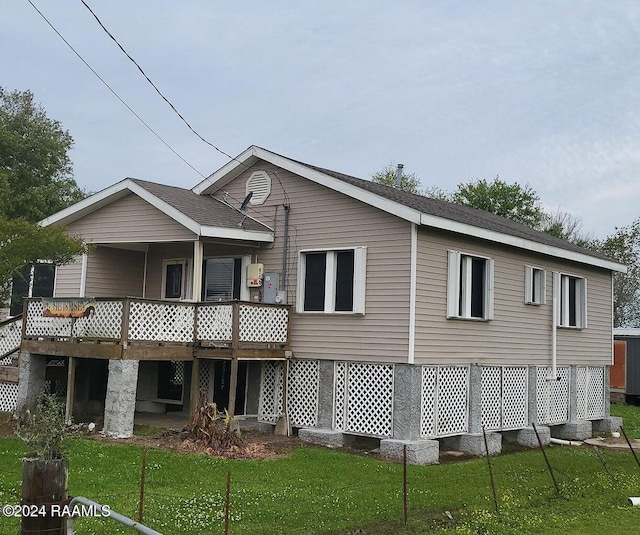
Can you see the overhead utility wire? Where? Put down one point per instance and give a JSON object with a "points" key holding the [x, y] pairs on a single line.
{"points": [[112, 90], [156, 87]]}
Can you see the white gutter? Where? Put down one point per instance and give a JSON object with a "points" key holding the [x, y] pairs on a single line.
{"points": [[554, 329]]}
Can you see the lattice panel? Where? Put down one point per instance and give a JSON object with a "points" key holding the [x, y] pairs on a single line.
{"points": [[10, 334], [428, 401], [41, 327], [204, 376], [104, 323], [8, 397], [369, 399], [214, 323], [302, 392], [57, 388], [491, 397], [178, 372], [591, 392], [515, 397], [160, 322], [453, 394], [263, 324], [271, 403], [340, 395], [552, 396]]}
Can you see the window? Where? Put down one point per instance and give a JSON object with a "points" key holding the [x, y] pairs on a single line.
{"points": [[173, 279], [332, 281], [535, 286], [222, 279], [33, 281], [470, 286], [571, 295]]}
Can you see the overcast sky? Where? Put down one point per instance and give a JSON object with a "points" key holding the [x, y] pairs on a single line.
{"points": [[543, 93]]}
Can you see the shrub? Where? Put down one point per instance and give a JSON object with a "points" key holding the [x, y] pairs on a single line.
{"points": [[44, 430]]}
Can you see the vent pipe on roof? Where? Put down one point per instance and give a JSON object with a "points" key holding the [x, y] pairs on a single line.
{"points": [[398, 176]]}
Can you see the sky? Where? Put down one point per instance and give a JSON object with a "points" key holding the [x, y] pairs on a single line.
{"points": [[542, 93]]}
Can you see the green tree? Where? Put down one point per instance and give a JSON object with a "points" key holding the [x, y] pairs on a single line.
{"points": [[513, 201], [35, 170], [387, 176], [35, 182], [624, 246]]}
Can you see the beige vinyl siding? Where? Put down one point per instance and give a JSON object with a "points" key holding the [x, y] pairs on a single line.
{"points": [[519, 333], [68, 277], [114, 272], [129, 220], [157, 254], [323, 219]]}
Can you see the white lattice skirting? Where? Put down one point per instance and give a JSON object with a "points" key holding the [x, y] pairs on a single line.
{"points": [[8, 397], [504, 397], [363, 398], [552, 395], [445, 401], [590, 392]]}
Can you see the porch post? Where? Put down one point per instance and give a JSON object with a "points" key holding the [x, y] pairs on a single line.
{"points": [[120, 402], [198, 255], [235, 343], [71, 383], [32, 369]]}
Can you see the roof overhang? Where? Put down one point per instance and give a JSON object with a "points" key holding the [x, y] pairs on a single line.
{"points": [[623, 331], [127, 186], [253, 154]]}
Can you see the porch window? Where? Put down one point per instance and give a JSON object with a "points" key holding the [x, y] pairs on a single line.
{"points": [[535, 287], [332, 281], [173, 279], [470, 287], [33, 281], [571, 293], [222, 279]]}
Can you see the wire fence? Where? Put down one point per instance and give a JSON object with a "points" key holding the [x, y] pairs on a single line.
{"points": [[269, 497]]}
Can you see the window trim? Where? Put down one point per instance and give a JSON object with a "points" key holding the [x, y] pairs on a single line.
{"points": [[455, 286], [359, 280], [172, 262], [529, 277], [561, 291]]}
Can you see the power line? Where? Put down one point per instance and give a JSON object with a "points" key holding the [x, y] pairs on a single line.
{"points": [[156, 87], [112, 90]]}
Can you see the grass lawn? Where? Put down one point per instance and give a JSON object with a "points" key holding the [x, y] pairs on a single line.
{"points": [[322, 491]]}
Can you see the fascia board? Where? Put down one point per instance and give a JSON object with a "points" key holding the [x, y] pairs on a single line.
{"points": [[227, 172], [236, 234], [88, 205], [623, 331], [520, 243]]}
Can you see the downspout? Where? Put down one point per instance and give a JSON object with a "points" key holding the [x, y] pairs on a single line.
{"points": [[285, 249], [144, 274], [554, 330], [83, 275]]}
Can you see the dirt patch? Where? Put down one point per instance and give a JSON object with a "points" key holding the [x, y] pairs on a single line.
{"points": [[619, 443], [257, 445], [7, 425]]}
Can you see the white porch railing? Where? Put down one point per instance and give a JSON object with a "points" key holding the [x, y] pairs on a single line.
{"points": [[145, 320], [10, 335]]}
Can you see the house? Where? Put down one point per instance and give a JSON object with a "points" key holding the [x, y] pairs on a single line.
{"points": [[625, 372], [351, 307]]}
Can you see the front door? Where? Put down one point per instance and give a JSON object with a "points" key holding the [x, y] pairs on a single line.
{"points": [[221, 381]]}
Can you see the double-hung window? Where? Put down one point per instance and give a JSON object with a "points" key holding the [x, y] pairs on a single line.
{"points": [[535, 286], [470, 286], [571, 300], [332, 281]]}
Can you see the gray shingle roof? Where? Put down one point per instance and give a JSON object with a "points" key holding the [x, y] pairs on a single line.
{"points": [[457, 213], [201, 208]]}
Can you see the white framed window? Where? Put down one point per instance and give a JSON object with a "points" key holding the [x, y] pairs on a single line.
{"points": [[470, 286], [571, 299], [535, 285], [174, 278], [332, 281]]}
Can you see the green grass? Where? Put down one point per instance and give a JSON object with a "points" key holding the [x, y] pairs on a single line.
{"points": [[631, 417], [322, 491]]}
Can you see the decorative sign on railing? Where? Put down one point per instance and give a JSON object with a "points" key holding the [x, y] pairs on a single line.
{"points": [[68, 308]]}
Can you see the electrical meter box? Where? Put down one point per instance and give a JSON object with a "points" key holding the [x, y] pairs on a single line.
{"points": [[271, 284], [255, 273]]}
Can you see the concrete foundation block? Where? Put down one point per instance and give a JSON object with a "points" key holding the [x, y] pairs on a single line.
{"points": [[322, 437], [607, 425], [527, 437], [421, 452], [578, 430], [473, 443], [120, 402]]}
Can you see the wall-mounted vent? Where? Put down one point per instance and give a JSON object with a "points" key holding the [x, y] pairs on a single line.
{"points": [[260, 184]]}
